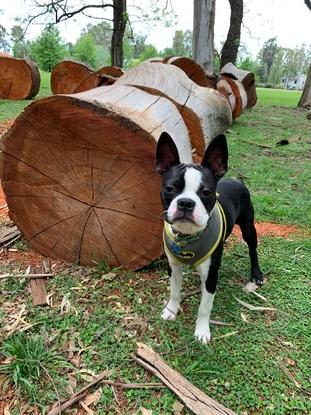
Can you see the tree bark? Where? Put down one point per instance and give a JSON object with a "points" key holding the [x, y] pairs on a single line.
{"points": [[305, 99], [203, 33], [119, 25], [231, 46]]}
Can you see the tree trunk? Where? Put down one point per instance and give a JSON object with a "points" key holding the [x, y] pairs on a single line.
{"points": [[66, 75], [19, 78], [78, 170], [305, 99], [119, 25], [231, 46], [203, 33]]}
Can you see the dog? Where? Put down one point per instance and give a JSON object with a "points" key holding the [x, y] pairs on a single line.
{"points": [[200, 212]]}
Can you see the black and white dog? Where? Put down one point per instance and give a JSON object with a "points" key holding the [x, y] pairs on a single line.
{"points": [[200, 212]]}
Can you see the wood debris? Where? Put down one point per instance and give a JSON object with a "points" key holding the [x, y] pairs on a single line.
{"points": [[196, 400]]}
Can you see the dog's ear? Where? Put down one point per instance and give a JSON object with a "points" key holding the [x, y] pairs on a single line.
{"points": [[167, 154], [216, 156]]}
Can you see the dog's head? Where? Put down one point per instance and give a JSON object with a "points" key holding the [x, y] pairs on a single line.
{"points": [[189, 190]]}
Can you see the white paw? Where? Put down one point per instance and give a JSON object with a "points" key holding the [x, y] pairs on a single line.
{"points": [[168, 314], [202, 332]]}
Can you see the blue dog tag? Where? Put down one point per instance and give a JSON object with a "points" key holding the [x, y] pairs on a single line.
{"points": [[175, 248]]}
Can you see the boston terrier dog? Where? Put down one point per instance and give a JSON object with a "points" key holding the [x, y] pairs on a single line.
{"points": [[200, 212]]}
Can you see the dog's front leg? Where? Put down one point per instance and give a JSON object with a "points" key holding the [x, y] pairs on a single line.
{"points": [[171, 309], [208, 272]]}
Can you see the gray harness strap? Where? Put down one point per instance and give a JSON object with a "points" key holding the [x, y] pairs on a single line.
{"points": [[194, 249]]}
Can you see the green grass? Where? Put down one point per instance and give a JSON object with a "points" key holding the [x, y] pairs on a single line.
{"points": [[11, 109], [107, 314]]}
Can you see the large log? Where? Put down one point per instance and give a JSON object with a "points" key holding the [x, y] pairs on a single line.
{"points": [[67, 74], [78, 170], [19, 78], [104, 76]]}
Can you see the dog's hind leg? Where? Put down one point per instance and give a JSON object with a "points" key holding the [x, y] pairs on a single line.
{"points": [[246, 223]]}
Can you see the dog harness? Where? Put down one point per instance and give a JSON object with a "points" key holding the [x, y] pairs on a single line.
{"points": [[194, 249]]}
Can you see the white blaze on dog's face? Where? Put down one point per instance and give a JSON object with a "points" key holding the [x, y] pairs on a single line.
{"points": [[186, 212], [189, 190]]}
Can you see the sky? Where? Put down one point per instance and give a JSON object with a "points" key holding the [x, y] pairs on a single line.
{"points": [[289, 20]]}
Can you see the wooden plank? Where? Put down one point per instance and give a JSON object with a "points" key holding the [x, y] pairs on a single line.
{"points": [[196, 400], [38, 291]]}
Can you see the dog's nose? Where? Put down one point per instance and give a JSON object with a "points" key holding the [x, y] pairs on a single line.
{"points": [[186, 204]]}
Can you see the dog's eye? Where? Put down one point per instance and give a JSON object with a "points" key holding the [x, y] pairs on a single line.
{"points": [[170, 189], [205, 192]]}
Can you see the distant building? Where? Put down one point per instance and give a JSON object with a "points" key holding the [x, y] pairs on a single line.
{"points": [[296, 82]]}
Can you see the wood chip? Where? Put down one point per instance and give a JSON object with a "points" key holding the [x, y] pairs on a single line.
{"points": [[253, 307]]}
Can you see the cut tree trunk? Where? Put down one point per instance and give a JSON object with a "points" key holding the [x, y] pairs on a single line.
{"points": [[231, 46], [19, 78], [203, 33], [104, 76], [238, 86], [67, 75], [305, 99], [78, 170]]}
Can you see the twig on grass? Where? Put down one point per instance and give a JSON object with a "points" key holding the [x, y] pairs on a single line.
{"points": [[62, 405]]}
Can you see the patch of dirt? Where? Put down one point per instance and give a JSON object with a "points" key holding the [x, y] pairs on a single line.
{"points": [[272, 229], [22, 258]]}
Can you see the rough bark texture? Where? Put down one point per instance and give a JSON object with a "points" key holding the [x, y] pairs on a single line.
{"points": [[119, 25], [203, 33], [196, 400], [305, 99], [19, 78], [104, 76], [67, 75], [78, 170], [231, 46]]}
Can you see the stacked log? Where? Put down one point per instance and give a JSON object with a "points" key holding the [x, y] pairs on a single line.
{"points": [[78, 170], [20, 78], [239, 88], [70, 76]]}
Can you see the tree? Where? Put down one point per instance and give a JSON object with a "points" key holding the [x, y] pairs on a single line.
{"points": [[85, 50], [20, 47], [266, 57], [203, 33], [48, 49], [231, 46], [182, 43], [305, 99], [4, 44]]}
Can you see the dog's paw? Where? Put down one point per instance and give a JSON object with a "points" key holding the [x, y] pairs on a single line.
{"points": [[168, 314], [202, 332]]}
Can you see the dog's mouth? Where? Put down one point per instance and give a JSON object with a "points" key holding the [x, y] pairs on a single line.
{"points": [[182, 217]]}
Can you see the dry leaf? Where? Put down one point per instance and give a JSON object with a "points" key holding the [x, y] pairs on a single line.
{"points": [[92, 397], [86, 408], [244, 318], [220, 323], [232, 333], [145, 411], [253, 307], [260, 296], [72, 384], [177, 408], [7, 411], [291, 362]]}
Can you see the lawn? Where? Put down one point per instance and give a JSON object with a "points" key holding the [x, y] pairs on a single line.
{"points": [[257, 365]]}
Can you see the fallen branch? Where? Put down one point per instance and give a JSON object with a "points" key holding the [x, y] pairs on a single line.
{"points": [[4, 276], [61, 406], [193, 398]]}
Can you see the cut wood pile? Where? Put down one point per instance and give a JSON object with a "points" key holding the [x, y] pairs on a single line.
{"points": [[78, 170], [19, 78], [69, 77]]}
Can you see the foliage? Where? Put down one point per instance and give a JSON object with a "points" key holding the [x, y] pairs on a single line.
{"points": [[4, 43], [20, 47], [48, 49], [31, 362], [182, 43], [85, 50]]}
